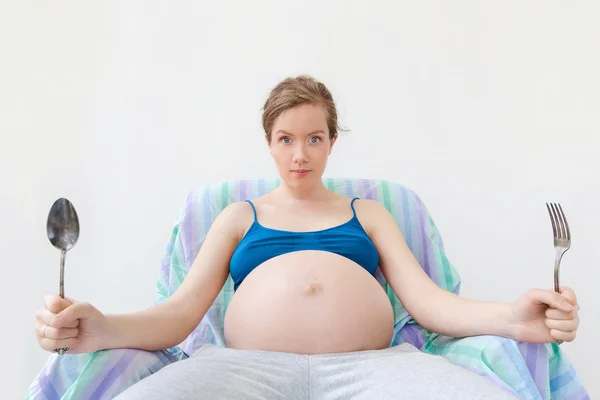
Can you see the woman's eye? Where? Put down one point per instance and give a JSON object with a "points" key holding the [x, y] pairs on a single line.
{"points": [[314, 139], [285, 139]]}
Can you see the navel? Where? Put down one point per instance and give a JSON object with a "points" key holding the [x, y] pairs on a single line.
{"points": [[312, 289]]}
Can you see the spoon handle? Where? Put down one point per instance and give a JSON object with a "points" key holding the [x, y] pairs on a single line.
{"points": [[63, 255], [61, 290]]}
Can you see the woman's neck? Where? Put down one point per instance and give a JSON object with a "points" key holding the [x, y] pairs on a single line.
{"points": [[302, 194]]}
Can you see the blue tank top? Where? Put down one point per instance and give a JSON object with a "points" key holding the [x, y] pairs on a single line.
{"points": [[261, 243]]}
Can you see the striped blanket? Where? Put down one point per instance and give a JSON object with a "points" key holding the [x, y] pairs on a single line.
{"points": [[531, 371]]}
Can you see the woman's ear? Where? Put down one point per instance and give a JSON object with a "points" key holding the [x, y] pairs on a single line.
{"points": [[332, 143]]}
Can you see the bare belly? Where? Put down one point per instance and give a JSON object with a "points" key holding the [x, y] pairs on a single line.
{"points": [[309, 302]]}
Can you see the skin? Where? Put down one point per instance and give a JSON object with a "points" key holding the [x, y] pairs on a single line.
{"points": [[300, 140]]}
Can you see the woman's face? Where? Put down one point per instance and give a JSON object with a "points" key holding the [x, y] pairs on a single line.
{"points": [[300, 144]]}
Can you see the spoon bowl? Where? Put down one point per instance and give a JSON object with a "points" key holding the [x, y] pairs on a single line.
{"points": [[62, 226]]}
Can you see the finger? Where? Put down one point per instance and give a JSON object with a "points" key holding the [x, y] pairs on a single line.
{"points": [[562, 325], [48, 332], [51, 344], [552, 313], [568, 294], [564, 336], [56, 303], [552, 299], [39, 329], [44, 316], [71, 314]]}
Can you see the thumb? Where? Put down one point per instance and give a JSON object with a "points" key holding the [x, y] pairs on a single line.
{"points": [[56, 304], [552, 299], [569, 295], [72, 313]]}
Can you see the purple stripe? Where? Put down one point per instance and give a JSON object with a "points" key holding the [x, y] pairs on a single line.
{"points": [[165, 265], [532, 358], [405, 217], [46, 386], [164, 270], [111, 376], [187, 229], [373, 191], [413, 335], [206, 209], [543, 374], [368, 188], [427, 251], [243, 195]]}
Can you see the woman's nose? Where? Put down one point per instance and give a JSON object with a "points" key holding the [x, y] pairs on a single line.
{"points": [[300, 155]]}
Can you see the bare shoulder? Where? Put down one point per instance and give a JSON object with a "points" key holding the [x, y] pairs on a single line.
{"points": [[236, 209], [235, 218], [371, 214], [370, 207]]}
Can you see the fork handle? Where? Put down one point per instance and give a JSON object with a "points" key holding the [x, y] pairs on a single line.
{"points": [[559, 255]]}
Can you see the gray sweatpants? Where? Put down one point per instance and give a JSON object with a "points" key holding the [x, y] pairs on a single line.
{"points": [[399, 372]]}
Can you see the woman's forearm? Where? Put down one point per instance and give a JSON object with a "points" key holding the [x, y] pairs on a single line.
{"points": [[450, 315], [159, 327]]}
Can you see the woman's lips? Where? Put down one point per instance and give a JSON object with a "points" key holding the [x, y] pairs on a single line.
{"points": [[300, 172]]}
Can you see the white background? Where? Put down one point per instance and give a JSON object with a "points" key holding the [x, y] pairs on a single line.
{"points": [[486, 109]]}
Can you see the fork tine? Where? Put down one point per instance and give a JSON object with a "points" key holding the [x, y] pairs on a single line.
{"points": [[552, 220], [560, 227], [564, 218], [561, 218]]}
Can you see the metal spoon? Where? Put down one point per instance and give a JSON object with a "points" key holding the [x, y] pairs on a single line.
{"points": [[62, 228]]}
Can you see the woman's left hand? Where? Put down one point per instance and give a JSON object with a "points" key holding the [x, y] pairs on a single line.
{"points": [[544, 316]]}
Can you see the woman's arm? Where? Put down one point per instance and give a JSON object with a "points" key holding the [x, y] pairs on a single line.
{"points": [[169, 323], [435, 309]]}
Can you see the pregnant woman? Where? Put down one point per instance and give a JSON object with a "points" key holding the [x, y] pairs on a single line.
{"points": [[308, 319]]}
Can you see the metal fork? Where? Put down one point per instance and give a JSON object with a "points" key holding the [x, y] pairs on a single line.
{"points": [[562, 238]]}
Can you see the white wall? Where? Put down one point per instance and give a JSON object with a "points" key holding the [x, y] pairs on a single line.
{"points": [[487, 109]]}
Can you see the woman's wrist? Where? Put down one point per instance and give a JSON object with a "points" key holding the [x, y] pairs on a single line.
{"points": [[112, 337]]}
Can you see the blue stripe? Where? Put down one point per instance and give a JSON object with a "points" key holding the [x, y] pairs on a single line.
{"points": [[562, 380], [516, 360], [349, 188]]}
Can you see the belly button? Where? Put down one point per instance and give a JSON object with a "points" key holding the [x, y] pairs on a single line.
{"points": [[313, 289]]}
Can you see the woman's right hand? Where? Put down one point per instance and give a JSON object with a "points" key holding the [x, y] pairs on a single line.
{"points": [[67, 323]]}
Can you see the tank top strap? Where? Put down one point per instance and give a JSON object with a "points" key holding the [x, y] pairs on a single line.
{"points": [[253, 209], [352, 205]]}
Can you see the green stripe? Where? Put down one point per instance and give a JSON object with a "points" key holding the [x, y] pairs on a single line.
{"points": [[161, 291], [179, 272], [443, 263], [386, 194], [224, 194], [87, 374], [554, 356], [330, 184]]}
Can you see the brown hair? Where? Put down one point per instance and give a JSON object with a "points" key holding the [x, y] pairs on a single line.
{"points": [[292, 92]]}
